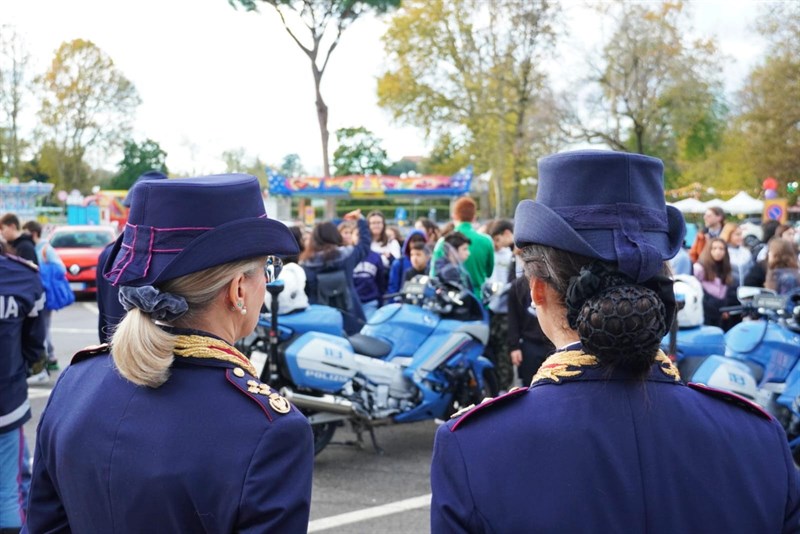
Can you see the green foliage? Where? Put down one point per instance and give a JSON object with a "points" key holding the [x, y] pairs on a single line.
{"points": [[359, 152], [87, 105], [403, 166], [137, 160], [292, 166], [656, 90], [770, 99], [469, 73]]}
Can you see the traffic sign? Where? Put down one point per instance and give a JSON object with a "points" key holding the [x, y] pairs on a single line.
{"points": [[776, 209]]}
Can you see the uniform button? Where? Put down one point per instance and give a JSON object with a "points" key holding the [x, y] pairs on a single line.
{"points": [[238, 371]]}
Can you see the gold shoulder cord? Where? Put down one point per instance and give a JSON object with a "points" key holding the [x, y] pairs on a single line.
{"points": [[558, 366], [207, 347], [572, 363]]}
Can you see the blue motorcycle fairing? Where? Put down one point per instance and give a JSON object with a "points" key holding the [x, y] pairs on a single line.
{"points": [[316, 317], [697, 341], [436, 403], [792, 392], [324, 375], [746, 336], [727, 374], [766, 343], [413, 323]]}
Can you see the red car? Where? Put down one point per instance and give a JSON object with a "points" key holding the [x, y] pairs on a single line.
{"points": [[78, 247]]}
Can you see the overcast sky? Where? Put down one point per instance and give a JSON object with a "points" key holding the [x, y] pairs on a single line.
{"points": [[212, 78]]}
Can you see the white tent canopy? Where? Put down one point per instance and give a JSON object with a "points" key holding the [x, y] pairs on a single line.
{"points": [[743, 203], [690, 205]]}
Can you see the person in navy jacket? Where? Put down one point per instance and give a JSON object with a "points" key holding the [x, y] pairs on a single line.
{"points": [[109, 311], [170, 428], [22, 334], [607, 438]]}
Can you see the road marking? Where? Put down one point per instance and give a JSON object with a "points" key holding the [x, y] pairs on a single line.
{"points": [[73, 330], [413, 503], [39, 393], [91, 306]]}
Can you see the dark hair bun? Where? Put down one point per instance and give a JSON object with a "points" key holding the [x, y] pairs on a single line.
{"points": [[623, 326]]}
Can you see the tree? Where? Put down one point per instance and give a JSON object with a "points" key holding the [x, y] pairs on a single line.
{"points": [[238, 161], [770, 98], [88, 105], [359, 152], [13, 63], [137, 159], [322, 23], [653, 87], [292, 166], [469, 74]]}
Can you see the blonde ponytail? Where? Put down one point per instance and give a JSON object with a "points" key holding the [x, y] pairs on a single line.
{"points": [[142, 350]]}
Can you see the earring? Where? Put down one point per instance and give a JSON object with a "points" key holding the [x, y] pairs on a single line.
{"points": [[241, 306], [243, 311]]}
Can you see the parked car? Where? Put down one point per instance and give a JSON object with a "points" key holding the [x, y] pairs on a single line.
{"points": [[79, 246]]}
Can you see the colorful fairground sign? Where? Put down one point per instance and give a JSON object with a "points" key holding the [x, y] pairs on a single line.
{"points": [[371, 185]]}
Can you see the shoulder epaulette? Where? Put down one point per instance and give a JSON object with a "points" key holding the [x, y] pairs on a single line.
{"points": [[270, 401], [89, 352], [27, 263], [469, 412], [733, 398]]}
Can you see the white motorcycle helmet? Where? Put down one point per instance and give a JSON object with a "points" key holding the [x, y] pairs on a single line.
{"points": [[689, 289]]}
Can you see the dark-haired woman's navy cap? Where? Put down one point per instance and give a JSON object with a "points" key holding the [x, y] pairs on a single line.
{"points": [[603, 205], [185, 225]]}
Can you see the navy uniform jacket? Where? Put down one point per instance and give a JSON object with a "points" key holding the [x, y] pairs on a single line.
{"points": [[211, 450], [109, 311], [22, 333], [583, 451]]}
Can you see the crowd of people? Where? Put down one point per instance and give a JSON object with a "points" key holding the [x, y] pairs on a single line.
{"points": [[579, 299], [723, 259]]}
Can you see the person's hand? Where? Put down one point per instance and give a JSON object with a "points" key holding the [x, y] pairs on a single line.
{"points": [[353, 215], [516, 357]]}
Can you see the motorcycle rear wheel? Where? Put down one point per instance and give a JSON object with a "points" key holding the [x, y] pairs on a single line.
{"points": [[323, 434]]}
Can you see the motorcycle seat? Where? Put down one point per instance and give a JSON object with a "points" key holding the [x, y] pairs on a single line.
{"points": [[369, 346]]}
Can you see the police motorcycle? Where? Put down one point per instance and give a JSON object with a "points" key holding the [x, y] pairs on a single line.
{"points": [[761, 359], [770, 347], [418, 359]]}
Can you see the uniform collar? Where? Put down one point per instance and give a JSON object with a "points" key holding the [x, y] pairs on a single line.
{"points": [[571, 365], [203, 348]]}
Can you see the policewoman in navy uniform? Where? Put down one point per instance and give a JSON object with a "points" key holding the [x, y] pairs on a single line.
{"points": [[22, 334], [169, 429], [607, 438]]}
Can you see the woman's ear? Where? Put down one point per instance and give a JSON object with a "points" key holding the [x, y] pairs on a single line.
{"points": [[236, 291], [538, 292]]}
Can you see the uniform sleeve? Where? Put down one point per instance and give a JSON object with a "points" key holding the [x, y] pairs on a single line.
{"points": [[45, 510], [276, 495], [33, 330], [791, 522], [452, 506]]}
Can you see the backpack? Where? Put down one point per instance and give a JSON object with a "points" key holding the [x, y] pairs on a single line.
{"points": [[333, 290], [58, 294]]}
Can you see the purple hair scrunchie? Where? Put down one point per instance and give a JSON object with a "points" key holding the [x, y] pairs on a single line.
{"points": [[160, 306]]}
